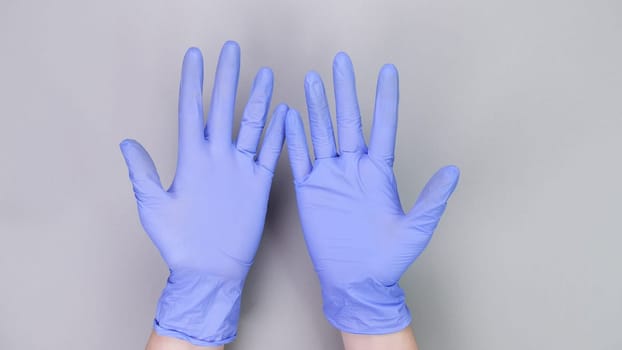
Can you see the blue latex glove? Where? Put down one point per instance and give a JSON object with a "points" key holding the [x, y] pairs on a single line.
{"points": [[359, 238], [208, 224]]}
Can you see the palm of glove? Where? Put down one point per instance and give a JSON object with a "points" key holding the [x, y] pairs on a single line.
{"points": [[192, 225], [353, 220]]}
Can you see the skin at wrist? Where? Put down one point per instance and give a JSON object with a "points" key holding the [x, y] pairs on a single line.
{"points": [[158, 342], [402, 340]]}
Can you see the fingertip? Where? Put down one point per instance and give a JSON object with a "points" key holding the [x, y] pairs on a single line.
{"points": [[230, 54], [278, 116], [292, 118], [342, 59], [126, 142], [448, 176], [231, 45], [388, 73], [131, 151], [293, 113], [293, 124], [453, 168], [389, 69], [281, 109], [194, 52], [193, 63], [311, 77], [192, 67], [265, 80], [451, 171], [314, 87], [342, 67], [388, 82], [432, 200], [266, 73]]}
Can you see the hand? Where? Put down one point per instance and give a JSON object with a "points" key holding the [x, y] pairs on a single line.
{"points": [[359, 238], [208, 224]]}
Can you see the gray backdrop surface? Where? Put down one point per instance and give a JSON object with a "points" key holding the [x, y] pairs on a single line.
{"points": [[524, 96]]}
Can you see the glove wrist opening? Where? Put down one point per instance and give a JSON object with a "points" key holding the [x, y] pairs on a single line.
{"points": [[366, 307], [200, 308]]}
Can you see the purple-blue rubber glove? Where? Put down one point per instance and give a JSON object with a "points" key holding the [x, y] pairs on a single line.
{"points": [[359, 238], [208, 224]]}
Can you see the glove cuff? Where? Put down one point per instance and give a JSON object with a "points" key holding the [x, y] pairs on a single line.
{"points": [[198, 308], [366, 307]]}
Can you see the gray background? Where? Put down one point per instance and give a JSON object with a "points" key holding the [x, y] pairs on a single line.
{"points": [[524, 96]]}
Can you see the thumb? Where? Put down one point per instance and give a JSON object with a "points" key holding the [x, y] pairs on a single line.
{"points": [[429, 207], [143, 173], [297, 145], [273, 140]]}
